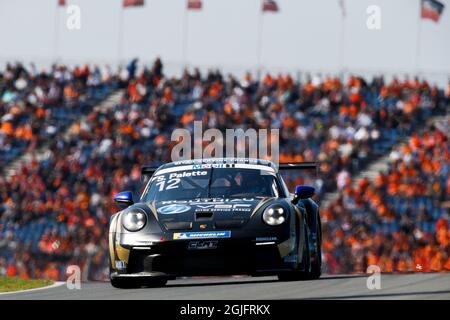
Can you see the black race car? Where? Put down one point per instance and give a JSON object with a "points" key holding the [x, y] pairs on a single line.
{"points": [[215, 217]]}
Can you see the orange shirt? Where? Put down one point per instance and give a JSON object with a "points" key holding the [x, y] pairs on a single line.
{"points": [[7, 128]]}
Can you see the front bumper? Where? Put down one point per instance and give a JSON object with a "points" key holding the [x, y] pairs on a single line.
{"points": [[175, 258]]}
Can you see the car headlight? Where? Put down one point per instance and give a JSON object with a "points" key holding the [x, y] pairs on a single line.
{"points": [[134, 220], [274, 215]]}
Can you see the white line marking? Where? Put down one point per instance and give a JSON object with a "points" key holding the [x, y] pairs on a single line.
{"points": [[56, 284]]}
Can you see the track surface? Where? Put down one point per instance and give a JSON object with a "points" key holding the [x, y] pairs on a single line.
{"points": [[393, 286]]}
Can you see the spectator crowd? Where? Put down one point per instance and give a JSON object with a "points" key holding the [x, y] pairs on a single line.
{"points": [[54, 211], [399, 221]]}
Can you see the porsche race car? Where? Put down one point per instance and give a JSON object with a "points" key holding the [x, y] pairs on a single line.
{"points": [[207, 217]]}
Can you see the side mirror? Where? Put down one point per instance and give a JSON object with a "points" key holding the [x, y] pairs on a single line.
{"points": [[303, 192], [124, 198]]}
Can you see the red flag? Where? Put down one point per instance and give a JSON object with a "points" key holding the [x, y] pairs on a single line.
{"points": [[431, 9], [133, 3], [61, 3], [194, 4], [270, 5]]}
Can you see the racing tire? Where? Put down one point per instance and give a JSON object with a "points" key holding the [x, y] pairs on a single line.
{"points": [[155, 283], [316, 265], [299, 275], [122, 283]]}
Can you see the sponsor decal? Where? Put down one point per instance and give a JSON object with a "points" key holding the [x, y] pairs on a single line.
{"points": [[120, 265], [201, 235], [216, 161], [291, 258], [245, 207], [209, 201], [211, 165], [211, 205], [147, 242], [266, 239], [174, 209], [206, 166]]}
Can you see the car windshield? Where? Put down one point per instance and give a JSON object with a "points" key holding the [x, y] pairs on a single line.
{"points": [[211, 183]]}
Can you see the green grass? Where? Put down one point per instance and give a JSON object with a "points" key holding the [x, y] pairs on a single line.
{"points": [[8, 284]]}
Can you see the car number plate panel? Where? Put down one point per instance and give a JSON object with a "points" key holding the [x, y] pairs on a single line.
{"points": [[202, 244]]}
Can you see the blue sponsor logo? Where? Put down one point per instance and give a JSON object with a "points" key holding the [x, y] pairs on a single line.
{"points": [[174, 208], [202, 235]]}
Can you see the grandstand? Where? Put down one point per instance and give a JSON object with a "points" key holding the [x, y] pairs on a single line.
{"points": [[54, 210]]}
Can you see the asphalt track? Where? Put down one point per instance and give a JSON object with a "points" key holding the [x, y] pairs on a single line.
{"points": [[393, 286]]}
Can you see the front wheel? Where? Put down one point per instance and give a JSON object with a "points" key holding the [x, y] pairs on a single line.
{"points": [[124, 283], [316, 263], [155, 283], [305, 266], [293, 276]]}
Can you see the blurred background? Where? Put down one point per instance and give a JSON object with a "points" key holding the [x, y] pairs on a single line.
{"points": [[236, 36], [362, 87]]}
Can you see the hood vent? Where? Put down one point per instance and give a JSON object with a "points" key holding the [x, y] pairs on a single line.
{"points": [[203, 216], [229, 224], [178, 225]]}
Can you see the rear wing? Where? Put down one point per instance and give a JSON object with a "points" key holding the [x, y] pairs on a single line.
{"points": [[299, 166], [150, 170]]}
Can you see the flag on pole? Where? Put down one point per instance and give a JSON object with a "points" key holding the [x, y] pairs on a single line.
{"points": [[269, 6], [342, 6], [431, 9], [194, 4], [61, 3], [133, 3]]}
